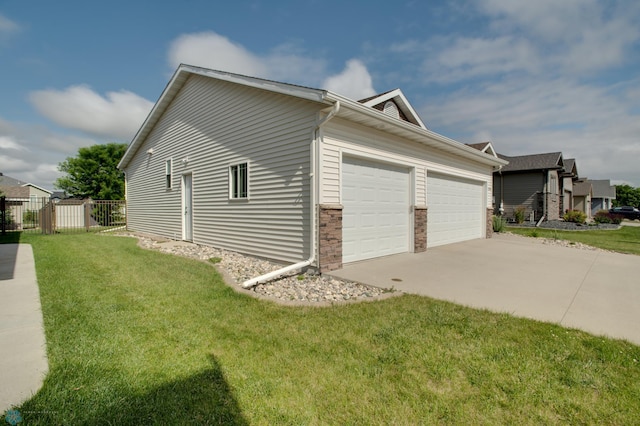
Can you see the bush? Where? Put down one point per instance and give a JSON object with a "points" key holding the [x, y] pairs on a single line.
{"points": [[575, 216], [499, 223], [603, 216], [518, 214]]}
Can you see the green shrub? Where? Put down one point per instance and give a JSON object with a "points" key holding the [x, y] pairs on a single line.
{"points": [[518, 214], [602, 216], [499, 223], [575, 216]]}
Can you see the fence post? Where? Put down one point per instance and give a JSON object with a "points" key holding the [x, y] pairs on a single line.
{"points": [[87, 216], [3, 208]]}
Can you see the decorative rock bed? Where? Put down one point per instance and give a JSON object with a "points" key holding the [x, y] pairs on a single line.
{"points": [[292, 288]]}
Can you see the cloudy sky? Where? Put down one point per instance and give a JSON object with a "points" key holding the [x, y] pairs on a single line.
{"points": [[530, 76]]}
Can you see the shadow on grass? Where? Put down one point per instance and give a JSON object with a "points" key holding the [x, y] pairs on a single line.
{"points": [[203, 399], [10, 238]]}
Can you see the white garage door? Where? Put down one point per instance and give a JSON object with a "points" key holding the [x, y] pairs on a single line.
{"points": [[455, 209], [375, 216]]}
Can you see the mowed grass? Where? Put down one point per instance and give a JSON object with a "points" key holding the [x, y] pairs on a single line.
{"points": [[624, 240], [139, 337]]}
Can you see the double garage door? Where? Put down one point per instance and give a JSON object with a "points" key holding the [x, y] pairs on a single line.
{"points": [[377, 218]]}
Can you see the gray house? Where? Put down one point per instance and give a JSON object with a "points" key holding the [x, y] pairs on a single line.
{"points": [[300, 175], [603, 195], [532, 182]]}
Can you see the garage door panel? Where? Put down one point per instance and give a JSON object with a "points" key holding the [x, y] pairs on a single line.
{"points": [[455, 209], [375, 209]]}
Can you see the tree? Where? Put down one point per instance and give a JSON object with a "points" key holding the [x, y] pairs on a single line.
{"points": [[94, 173], [627, 196]]}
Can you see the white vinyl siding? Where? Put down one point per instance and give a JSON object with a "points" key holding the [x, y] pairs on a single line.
{"points": [[216, 124], [342, 137]]}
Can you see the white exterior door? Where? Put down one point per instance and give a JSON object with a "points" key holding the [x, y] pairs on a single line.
{"points": [[456, 209], [187, 208], [375, 216]]}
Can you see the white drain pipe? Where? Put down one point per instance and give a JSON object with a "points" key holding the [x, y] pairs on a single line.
{"points": [[332, 111]]}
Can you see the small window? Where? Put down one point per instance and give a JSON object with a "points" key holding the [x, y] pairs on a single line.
{"points": [[239, 180], [167, 173]]}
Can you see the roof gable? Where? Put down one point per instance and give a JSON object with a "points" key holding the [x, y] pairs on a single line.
{"points": [[344, 107], [582, 188], [603, 189], [397, 97], [547, 161], [485, 147]]}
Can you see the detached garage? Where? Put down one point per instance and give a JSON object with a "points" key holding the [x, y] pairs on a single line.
{"points": [[303, 176]]}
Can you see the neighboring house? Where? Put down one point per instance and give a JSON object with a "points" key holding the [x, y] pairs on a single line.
{"points": [[568, 176], [582, 196], [603, 195], [297, 174], [532, 182], [22, 197]]}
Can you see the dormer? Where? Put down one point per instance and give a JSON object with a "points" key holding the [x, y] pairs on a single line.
{"points": [[396, 105]]}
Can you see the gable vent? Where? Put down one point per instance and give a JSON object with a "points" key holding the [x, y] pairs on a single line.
{"points": [[391, 110]]}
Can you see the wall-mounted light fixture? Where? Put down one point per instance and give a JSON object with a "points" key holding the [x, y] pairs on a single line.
{"points": [[150, 151]]}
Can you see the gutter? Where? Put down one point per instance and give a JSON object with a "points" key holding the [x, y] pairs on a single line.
{"points": [[332, 111]]}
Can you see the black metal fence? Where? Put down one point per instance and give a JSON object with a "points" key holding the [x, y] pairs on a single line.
{"points": [[49, 216]]}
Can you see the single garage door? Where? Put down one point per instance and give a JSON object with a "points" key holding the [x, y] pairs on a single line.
{"points": [[455, 209], [375, 215]]}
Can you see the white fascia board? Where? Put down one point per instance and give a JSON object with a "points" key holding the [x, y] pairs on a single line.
{"points": [[378, 120]]}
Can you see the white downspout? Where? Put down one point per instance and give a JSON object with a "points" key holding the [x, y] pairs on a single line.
{"points": [[332, 111]]}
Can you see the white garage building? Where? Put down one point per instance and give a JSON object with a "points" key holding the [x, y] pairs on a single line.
{"points": [[300, 175]]}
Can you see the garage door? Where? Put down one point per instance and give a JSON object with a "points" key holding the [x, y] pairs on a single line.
{"points": [[455, 209], [375, 216]]}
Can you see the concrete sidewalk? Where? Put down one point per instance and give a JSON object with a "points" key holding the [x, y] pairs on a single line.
{"points": [[595, 291], [23, 359]]}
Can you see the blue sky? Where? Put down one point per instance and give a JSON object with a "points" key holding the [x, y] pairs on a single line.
{"points": [[530, 76]]}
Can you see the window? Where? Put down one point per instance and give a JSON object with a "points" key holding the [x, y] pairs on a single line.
{"points": [[239, 180], [554, 185], [167, 173]]}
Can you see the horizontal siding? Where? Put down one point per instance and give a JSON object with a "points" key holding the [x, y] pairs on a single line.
{"points": [[340, 137], [520, 189], [216, 124]]}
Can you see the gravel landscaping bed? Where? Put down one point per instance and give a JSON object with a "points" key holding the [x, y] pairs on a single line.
{"points": [[566, 226], [293, 288]]}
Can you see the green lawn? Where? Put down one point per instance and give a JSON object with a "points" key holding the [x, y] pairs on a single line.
{"points": [[624, 240], [141, 337]]}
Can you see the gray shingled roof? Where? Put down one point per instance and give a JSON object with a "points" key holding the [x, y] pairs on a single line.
{"points": [[551, 160], [479, 146], [570, 166], [15, 192], [603, 189], [9, 181], [582, 188]]}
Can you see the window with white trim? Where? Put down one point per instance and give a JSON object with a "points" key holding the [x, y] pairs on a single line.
{"points": [[239, 181], [168, 173]]}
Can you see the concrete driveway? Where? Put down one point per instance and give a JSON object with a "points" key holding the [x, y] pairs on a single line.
{"points": [[595, 291]]}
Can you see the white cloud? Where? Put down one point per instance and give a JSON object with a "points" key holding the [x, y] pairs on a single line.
{"points": [[589, 123], [286, 63], [211, 50], [7, 26], [39, 152], [117, 115], [354, 81], [7, 142]]}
